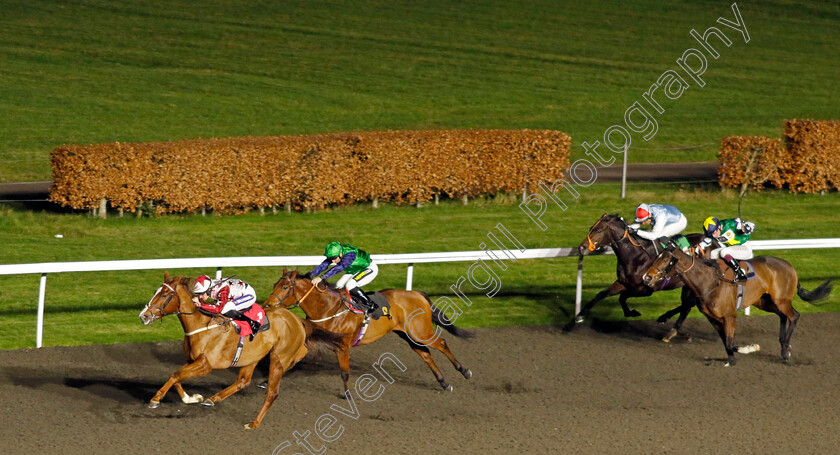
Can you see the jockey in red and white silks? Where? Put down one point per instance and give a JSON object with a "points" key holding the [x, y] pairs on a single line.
{"points": [[664, 220], [229, 294]]}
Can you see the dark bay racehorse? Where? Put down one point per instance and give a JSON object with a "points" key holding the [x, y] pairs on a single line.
{"points": [[772, 290], [211, 343], [634, 255], [413, 318]]}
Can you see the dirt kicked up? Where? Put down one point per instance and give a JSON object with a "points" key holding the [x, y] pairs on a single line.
{"points": [[603, 388]]}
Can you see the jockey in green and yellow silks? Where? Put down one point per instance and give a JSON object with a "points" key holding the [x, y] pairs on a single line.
{"points": [[735, 235], [358, 268]]}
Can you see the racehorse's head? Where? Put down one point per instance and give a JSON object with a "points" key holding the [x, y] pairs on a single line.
{"points": [[608, 229], [167, 299], [285, 291], [664, 266]]}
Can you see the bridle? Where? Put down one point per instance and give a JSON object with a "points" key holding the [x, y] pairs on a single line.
{"points": [[594, 245], [292, 291], [160, 308]]}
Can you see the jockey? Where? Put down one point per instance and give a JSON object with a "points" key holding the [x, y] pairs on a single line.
{"points": [[357, 266], [233, 298], [664, 220], [733, 233]]}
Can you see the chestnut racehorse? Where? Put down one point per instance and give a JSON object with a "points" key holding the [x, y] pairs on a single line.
{"points": [[211, 343], [772, 290], [412, 312], [634, 255]]}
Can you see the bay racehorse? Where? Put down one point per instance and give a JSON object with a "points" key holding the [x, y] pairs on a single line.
{"points": [[772, 290], [211, 343], [412, 317], [634, 256]]}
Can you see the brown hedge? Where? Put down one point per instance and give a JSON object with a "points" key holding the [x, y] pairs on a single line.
{"points": [[305, 172], [750, 160], [808, 160], [814, 155]]}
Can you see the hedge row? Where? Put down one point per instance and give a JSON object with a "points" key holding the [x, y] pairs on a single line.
{"points": [[305, 172], [750, 161], [814, 155], [807, 160]]}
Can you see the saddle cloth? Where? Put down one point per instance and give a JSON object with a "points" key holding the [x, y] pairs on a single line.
{"points": [[383, 306], [255, 313]]}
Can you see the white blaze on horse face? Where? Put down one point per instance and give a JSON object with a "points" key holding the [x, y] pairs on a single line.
{"points": [[146, 308]]}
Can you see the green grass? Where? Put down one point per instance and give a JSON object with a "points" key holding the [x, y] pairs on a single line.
{"points": [[102, 307], [90, 71]]}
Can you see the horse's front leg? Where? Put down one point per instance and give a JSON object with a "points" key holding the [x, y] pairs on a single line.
{"points": [[729, 338], [614, 289], [198, 368], [689, 300], [622, 300], [242, 381], [187, 398]]}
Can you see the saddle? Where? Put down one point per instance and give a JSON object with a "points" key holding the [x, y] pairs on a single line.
{"points": [[383, 307], [250, 324]]}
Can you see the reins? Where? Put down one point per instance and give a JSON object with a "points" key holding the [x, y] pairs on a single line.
{"points": [[299, 301]]}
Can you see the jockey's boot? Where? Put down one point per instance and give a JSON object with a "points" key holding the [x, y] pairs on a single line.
{"points": [[239, 316], [366, 301], [739, 273]]}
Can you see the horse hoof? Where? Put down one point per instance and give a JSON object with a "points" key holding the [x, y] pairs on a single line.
{"points": [[632, 314], [251, 426], [578, 319], [263, 385], [467, 374], [208, 402], [670, 336], [154, 404], [449, 388]]}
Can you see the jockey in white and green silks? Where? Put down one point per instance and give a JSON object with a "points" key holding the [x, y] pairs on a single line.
{"points": [[735, 235], [359, 270]]}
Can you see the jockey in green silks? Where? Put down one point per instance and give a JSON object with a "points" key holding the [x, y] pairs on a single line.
{"points": [[734, 234], [357, 266]]}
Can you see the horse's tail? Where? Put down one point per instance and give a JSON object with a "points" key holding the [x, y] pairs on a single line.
{"points": [[439, 318], [318, 338], [817, 294]]}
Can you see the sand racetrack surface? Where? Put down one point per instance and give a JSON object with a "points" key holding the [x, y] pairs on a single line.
{"points": [[604, 388]]}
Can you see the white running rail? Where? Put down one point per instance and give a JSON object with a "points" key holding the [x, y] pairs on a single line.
{"points": [[218, 263]]}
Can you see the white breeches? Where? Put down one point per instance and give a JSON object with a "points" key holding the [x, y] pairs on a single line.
{"points": [[668, 230], [362, 278], [241, 303], [740, 252]]}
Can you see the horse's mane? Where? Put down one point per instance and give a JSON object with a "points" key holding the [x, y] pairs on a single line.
{"points": [[707, 262], [712, 263], [326, 283], [185, 280]]}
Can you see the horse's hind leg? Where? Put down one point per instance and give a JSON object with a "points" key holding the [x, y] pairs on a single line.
{"points": [[788, 317], [275, 373], [440, 345], [244, 380], [424, 354], [198, 368]]}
